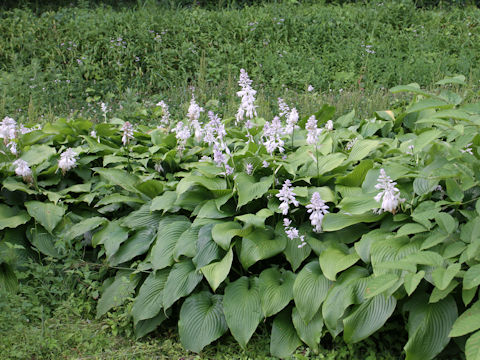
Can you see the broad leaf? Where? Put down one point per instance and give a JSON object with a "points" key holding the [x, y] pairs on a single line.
{"points": [[135, 245], [223, 233], [84, 226], [242, 307], [143, 327], [111, 236], [216, 272], [468, 322], [276, 290], [472, 347], [284, 339], [310, 290], [334, 260], [471, 279], [12, 217], [443, 276], [250, 189], [201, 321], [310, 332], [118, 291], [181, 281], [260, 244]]}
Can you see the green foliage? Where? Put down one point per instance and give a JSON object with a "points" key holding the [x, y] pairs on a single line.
{"points": [[187, 240]]}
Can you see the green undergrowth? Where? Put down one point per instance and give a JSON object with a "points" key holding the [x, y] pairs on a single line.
{"points": [[74, 57]]}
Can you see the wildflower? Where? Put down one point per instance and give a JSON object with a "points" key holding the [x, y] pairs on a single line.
{"points": [[312, 130], [182, 134], [467, 149], [310, 88], [292, 120], [193, 114], [93, 133], [23, 170], [8, 129], [247, 95], [273, 131], [67, 160], [249, 168], [292, 232], [165, 120], [24, 130], [12, 146], [317, 209], [410, 149], [287, 197], [159, 168], [329, 125], [390, 195], [283, 107], [265, 164], [127, 133], [104, 109]]}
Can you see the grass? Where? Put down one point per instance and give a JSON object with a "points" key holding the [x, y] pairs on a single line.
{"points": [[71, 58]]}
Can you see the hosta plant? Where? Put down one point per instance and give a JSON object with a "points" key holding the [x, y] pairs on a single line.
{"points": [[323, 224]]}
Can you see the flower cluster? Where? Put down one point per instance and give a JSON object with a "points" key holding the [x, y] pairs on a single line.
{"points": [[182, 133], [67, 160], [8, 132], [247, 107], [23, 170], [317, 209], [287, 197], [292, 232], [127, 129], [389, 194], [193, 114], [165, 120], [272, 133], [312, 130]]}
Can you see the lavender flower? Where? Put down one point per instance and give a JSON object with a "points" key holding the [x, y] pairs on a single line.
{"points": [[249, 168], [165, 120], [67, 160], [292, 232], [127, 129], [351, 143], [283, 107], [467, 149], [312, 130], [317, 209], [310, 88], [193, 114], [247, 94], [182, 134], [292, 120], [390, 195], [272, 132], [287, 197]]}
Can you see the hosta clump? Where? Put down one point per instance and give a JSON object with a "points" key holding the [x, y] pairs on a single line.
{"points": [[324, 224]]}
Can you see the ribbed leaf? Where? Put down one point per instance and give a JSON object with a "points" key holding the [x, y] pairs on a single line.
{"points": [[250, 188], [428, 326], [201, 321], [47, 214], [340, 296], [333, 260], [468, 322], [379, 284], [284, 340], [242, 307], [472, 347], [446, 222], [84, 226], [111, 236], [216, 272], [181, 281], [187, 244], [142, 217], [118, 291], [8, 279], [443, 276], [118, 198], [164, 202], [260, 244], [223, 233], [368, 318], [293, 253], [207, 249], [362, 148], [310, 332], [257, 220], [337, 221], [135, 245], [45, 242], [276, 290], [208, 183], [168, 235], [412, 280], [119, 177], [143, 327], [149, 300], [310, 290]]}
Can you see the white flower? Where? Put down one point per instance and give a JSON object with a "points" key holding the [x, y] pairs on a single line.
{"points": [[193, 114], [409, 150], [8, 129], [292, 120], [67, 160], [247, 95], [12, 146], [329, 125], [317, 210], [351, 143], [249, 168], [287, 197], [467, 149], [93, 133], [310, 88], [104, 108], [23, 170], [272, 132], [24, 130], [159, 168], [312, 130], [127, 133], [389, 194], [265, 164], [182, 134], [292, 232], [283, 107], [165, 120]]}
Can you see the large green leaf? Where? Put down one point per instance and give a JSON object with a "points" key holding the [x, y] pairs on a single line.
{"points": [[218, 271], [361, 149], [201, 321], [257, 220], [118, 198], [260, 244], [207, 249], [242, 307], [472, 347], [8, 279], [168, 235], [143, 327], [208, 183], [149, 300], [84, 226], [468, 322], [181, 281], [471, 278], [164, 202], [111, 236], [284, 339], [379, 284], [142, 217], [250, 188], [293, 253], [368, 318], [337, 221], [428, 326], [333, 260], [311, 331], [223, 233], [187, 244], [120, 178], [118, 291], [12, 217], [310, 290], [276, 290], [135, 245], [37, 154], [45, 242], [341, 295], [443, 276]]}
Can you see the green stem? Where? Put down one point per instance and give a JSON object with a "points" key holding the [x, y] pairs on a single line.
{"points": [[318, 171]]}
